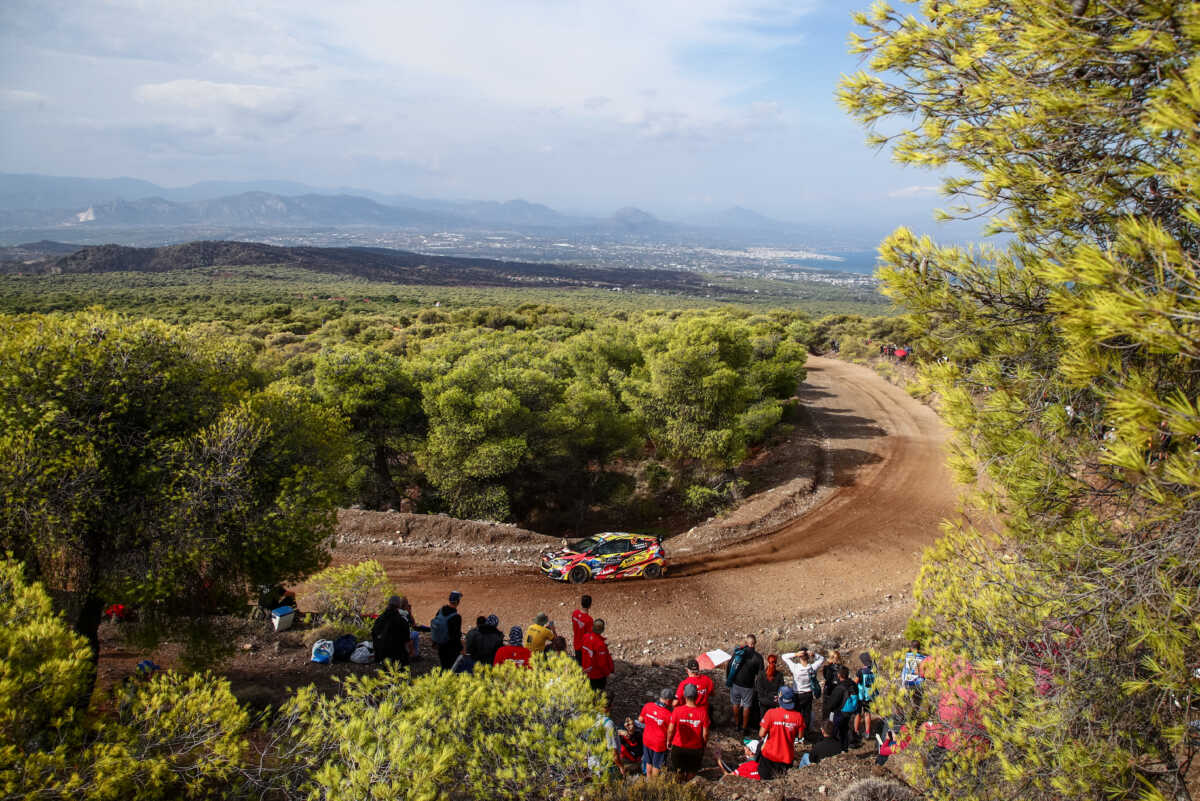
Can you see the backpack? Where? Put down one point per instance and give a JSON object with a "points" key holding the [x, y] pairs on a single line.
{"points": [[322, 651], [816, 685], [866, 685], [739, 654], [343, 647], [439, 629], [851, 705]]}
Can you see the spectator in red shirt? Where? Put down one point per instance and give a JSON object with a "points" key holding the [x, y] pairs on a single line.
{"points": [[777, 736], [656, 718], [688, 734], [747, 770], [514, 651], [702, 683], [581, 624], [597, 662]]}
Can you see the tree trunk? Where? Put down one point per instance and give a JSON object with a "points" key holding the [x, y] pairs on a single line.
{"points": [[385, 490], [87, 624]]}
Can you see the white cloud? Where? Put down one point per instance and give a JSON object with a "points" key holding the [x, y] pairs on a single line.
{"points": [[915, 191], [22, 100], [265, 103]]}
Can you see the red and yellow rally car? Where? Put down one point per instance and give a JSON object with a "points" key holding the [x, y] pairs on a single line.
{"points": [[610, 555]]}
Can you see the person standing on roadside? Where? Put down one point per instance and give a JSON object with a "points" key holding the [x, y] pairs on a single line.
{"points": [[597, 662], [655, 717], [777, 736], [390, 633], [804, 679], [829, 679], [539, 634], [446, 631], [702, 683], [844, 703], [688, 734], [581, 624], [743, 669], [768, 683]]}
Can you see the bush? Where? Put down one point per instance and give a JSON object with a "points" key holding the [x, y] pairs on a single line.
{"points": [[348, 593], [660, 788], [503, 733], [876, 790]]}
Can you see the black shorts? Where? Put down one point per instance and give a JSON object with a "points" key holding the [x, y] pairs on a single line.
{"points": [[769, 770], [686, 760]]}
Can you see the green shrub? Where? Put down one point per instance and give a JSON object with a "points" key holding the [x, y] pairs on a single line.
{"points": [[347, 593], [663, 787], [503, 733]]}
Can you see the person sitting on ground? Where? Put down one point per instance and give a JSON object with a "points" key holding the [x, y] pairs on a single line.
{"points": [[767, 684], [581, 624], [655, 717], [558, 643], [485, 640], [514, 651], [390, 633], [743, 669], [446, 631], [276, 597], [539, 634], [747, 770], [804, 678], [777, 736], [465, 663], [688, 735], [844, 703], [597, 661], [829, 745], [703, 684]]}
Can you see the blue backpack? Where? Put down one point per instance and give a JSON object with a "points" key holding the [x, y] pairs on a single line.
{"points": [[866, 685], [851, 705], [439, 629], [739, 654]]}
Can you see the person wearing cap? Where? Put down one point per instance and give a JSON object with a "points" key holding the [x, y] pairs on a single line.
{"points": [[805, 669], [688, 734], [539, 634], [747, 770], [597, 661], [704, 685], [655, 717], [581, 624], [447, 631], [391, 633], [749, 663], [514, 651], [777, 735]]}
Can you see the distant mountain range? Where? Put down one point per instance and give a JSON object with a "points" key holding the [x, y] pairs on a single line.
{"points": [[377, 264], [39, 201]]}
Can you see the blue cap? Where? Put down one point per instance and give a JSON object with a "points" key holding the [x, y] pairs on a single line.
{"points": [[787, 698]]}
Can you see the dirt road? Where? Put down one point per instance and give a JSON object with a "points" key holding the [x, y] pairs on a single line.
{"points": [[842, 571]]}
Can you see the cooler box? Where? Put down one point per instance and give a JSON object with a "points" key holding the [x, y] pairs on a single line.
{"points": [[283, 618]]}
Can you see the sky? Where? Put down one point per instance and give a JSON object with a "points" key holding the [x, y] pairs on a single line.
{"points": [[675, 106]]}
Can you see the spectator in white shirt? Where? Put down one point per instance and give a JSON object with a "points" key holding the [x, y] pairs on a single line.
{"points": [[804, 675]]}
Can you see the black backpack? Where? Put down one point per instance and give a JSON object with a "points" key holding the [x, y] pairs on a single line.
{"points": [[739, 654], [344, 646]]}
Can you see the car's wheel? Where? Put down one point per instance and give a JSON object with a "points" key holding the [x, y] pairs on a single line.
{"points": [[653, 571], [579, 574]]}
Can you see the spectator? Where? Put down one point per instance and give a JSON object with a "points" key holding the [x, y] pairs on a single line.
{"points": [[608, 731], [866, 684], [844, 703], [539, 634], [446, 631], [414, 647], [743, 668], [581, 624], [777, 736], [488, 639], [514, 651], [465, 663], [768, 683], [747, 770], [655, 717], [703, 684], [596, 660], [390, 633], [688, 734], [829, 745], [829, 679], [804, 678]]}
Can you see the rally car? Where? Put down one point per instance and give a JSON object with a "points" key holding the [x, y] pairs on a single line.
{"points": [[610, 555]]}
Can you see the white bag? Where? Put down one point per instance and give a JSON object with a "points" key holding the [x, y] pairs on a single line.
{"points": [[363, 654], [322, 652]]}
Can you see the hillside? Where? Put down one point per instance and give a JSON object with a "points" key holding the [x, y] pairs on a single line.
{"points": [[377, 264]]}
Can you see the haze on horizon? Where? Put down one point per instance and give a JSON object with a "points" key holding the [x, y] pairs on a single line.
{"points": [[676, 107]]}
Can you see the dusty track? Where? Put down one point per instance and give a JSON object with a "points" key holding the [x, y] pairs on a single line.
{"points": [[856, 550]]}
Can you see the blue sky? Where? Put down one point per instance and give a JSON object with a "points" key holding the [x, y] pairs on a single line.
{"points": [[676, 106]]}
